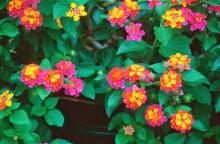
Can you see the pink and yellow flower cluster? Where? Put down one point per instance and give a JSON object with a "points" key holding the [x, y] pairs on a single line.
{"points": [[76, 12], [134, 96], [184, 3], [6, 99], [171, 81], [64, 76], [128, 10], [183, 17], [182, 121], [154, 115], [27, 11]]}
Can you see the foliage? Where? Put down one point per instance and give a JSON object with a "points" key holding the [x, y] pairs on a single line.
{"points": [[167, 52]]}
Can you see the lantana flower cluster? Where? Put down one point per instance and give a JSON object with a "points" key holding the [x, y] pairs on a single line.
{"points": [[154, 115], [76, 12], [133, 96], [64, 76], [5, 99], [126, 12], [183, 17], [27, 12], [182, 121], [171, 80], [184, 3], [153, 3]]}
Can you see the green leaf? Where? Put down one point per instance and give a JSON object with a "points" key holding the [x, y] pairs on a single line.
{"points": [[169, 111], [163, 97], [184, 107], [158, 67], [3, 114], [7, 29], [163, 34], [45, 64], [131, 46], [49, 22], [10, 132], [139, 116], [141, 133], [120, 119], [60, 10], [215, 86], [213, 25], [177, 44], [51, 103], [99, 16], [46, 7], [217, 105], [69, 25], [194, 76], [113, 102], [174, 138], [38, 110], [201, 94], [19, 117], [84, 71], [121, 138], [198, 125], [193, 138], [60, 141], [42, 92], [54, 118], [209, 42], [88, 91], [216, 64]]}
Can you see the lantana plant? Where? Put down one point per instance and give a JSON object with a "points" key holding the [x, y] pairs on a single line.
{"points": [[153, 65]]}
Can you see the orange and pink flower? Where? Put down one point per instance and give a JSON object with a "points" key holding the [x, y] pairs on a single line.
{"points": [[67, 68], [153, 3], [15, 7], [138, 72], [116, 78], [53, 80], [31, 75], [117, 16], [179, 61], [74, 87], [31, 19], [182, 121], [134, 32], [170, 81], [131, 8], [134, 97], [154, 115]]}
